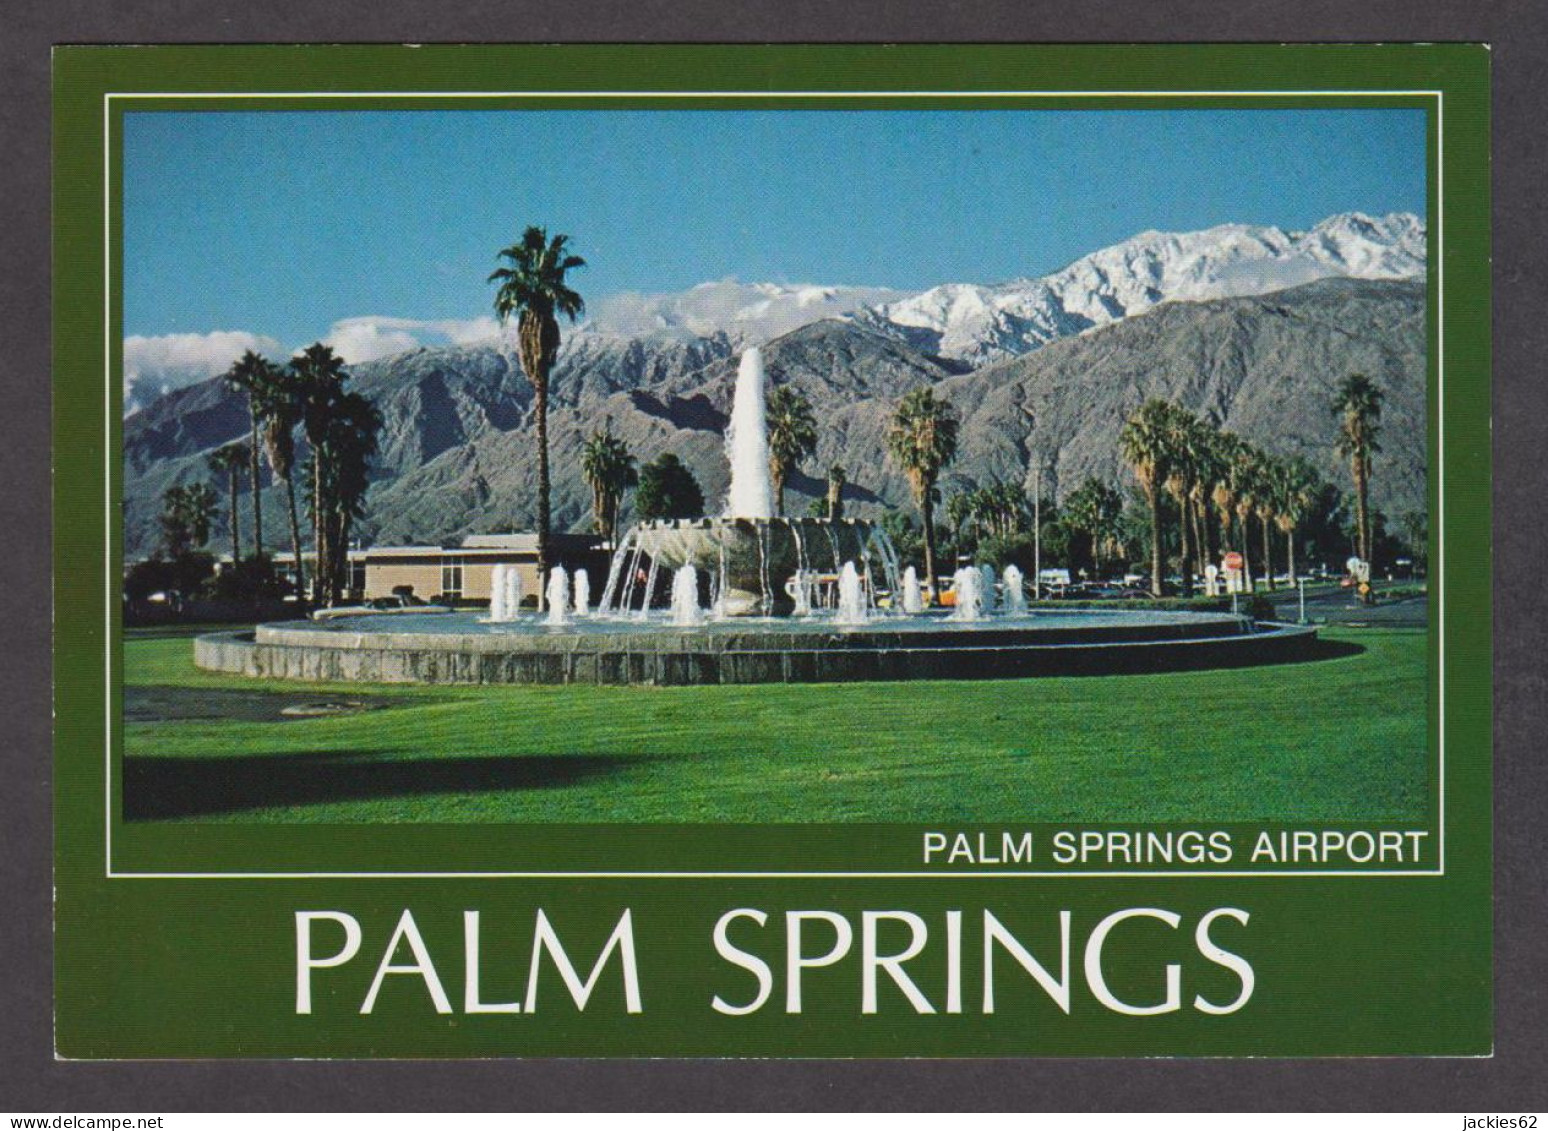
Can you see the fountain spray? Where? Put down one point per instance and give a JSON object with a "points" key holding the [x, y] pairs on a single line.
{"points": [[685, 598], [747, 444], [851, 599], [558, 596]]}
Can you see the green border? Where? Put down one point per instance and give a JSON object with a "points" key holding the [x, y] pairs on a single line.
{"points": [[1338, 984]]}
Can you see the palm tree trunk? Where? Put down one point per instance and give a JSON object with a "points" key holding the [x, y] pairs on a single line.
{"points": [[1155, 542], [1245, 522], [1200, 535], [1362, 517], [927, 512], [777, 477], [1290, 554], [343, 575], [255, 470], [1268, 554], [1185, 548], [236, 520], [295, 535], [319, 533], [540, 403]]}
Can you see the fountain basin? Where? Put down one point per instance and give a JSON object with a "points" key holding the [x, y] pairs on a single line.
{"points": [[458, 648]]}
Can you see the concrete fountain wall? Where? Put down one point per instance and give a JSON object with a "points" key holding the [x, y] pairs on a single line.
{"points": [[1063, 644]]}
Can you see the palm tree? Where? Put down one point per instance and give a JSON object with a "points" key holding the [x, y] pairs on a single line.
{"points": [[960, 512], [1146, 446], [1295, 489], [1358, 405], [1208, 473], [1416, 530], [609, 471], [231, 461], [1184, 463], [1265, 501], [280, 409], [350, 444], [319, 380], [186, 515], [1227, 461], [837, 477], [1247, 489], [252, 374], [792, 432], [532, 288], [1093, 509], [923, 439]]}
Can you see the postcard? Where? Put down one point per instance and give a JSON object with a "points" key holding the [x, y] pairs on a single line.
{"points": [[753, 551]]}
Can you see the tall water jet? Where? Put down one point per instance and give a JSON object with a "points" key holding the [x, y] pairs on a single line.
{"points": [[851, 597], [497, 593], [581, 583], [504, 593], [747, 444], [1014, 603], [558, 596], [686, 612], [913, 602], [968, 587]]}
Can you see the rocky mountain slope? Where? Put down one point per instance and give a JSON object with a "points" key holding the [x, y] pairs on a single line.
{"points": [[457, 453]]}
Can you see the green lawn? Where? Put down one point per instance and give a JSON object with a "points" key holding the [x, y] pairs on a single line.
{"points": [[1342, 738]]}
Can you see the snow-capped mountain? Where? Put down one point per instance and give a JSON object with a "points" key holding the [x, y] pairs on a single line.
{"points": [[976, 323], [969, 324], [747, 313]]}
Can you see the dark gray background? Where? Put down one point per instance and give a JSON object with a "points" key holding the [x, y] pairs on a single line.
{"points": [[1515, 1079]]}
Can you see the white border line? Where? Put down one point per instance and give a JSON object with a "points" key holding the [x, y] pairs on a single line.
{"points": [[111, 382]]}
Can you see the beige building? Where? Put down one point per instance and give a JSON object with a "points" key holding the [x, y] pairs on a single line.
{"points": [[461, 574]]}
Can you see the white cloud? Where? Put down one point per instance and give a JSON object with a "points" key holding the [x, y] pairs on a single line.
{"points": [[157, 365], [369, 337]]}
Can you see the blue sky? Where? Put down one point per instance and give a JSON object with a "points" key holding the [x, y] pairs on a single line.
{"points": [[282, 224]]}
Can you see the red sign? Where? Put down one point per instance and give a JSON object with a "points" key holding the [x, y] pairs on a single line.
{"points": [[1233, 561]]}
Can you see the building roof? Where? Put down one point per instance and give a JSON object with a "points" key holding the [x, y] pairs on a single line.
{"points": [[525, 541]]}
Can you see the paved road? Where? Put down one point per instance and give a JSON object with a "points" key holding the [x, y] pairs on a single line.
{"points": [[1342, 607]]}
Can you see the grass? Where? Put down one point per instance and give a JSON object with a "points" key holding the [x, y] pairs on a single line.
{"points": [[1342, 738]]}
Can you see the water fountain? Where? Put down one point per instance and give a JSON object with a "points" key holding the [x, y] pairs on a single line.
{"points": [[852, 606], [497, 594], [968, 587], [504, 594], [1014, 602], [558, 598], [686, 612], [779, 591], [747, 443], [750, 553]]}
